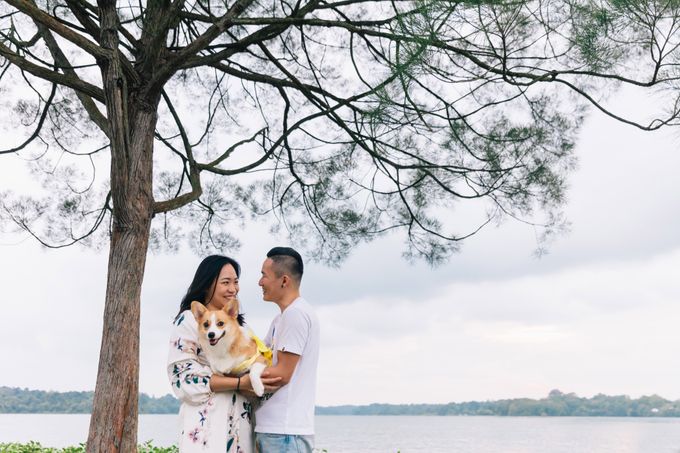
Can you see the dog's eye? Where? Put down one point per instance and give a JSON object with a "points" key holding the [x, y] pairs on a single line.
{"points": [[206, 324], [220, 323]]}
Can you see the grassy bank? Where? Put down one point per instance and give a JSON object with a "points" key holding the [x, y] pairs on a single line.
{"points": [[35, 447]]}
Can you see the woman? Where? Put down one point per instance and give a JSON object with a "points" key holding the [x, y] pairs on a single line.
{"points": [[214, 417]]}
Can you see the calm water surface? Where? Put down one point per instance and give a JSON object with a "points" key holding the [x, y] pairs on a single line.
{"points": [[353, 434]]}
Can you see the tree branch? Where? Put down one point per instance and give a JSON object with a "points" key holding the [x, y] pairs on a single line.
{"points": [[38, 128], [176, 61], [194, 169], [61, 60], [51, 75], [30, 9]]}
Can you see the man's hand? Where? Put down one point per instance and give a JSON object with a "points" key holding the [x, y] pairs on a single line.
{"points": [[271, 384]]}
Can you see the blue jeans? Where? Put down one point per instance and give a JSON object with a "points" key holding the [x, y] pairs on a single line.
{"points": [[283, 443]]}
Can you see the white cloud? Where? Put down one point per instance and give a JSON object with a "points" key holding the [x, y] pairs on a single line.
{"points": [[601, 328]]}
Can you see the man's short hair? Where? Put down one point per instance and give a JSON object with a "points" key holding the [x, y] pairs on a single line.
{"points": [[287, 261]]}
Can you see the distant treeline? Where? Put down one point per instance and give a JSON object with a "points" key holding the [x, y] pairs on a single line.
{"points": [[556, 404], [16, 400], [24, 401]]}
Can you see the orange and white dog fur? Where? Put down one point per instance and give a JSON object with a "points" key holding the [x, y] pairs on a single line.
{"points": [[225, 344]]}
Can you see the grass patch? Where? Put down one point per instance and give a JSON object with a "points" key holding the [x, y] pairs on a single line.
{"points": [[35, 447]]}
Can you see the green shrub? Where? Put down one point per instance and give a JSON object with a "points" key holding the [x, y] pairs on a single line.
{"points": [[35, 447]]}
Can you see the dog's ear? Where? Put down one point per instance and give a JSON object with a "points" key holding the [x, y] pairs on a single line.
{"points": [[198, 309], [231, 308]]}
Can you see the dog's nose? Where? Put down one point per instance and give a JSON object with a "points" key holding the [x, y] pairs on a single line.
{"points": [[211, 335]]}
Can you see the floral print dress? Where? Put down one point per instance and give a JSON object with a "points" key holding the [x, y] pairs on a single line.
{"points": [[210, 422]]}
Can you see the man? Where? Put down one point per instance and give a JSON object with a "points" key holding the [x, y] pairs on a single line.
{"points": [[285, 422]]}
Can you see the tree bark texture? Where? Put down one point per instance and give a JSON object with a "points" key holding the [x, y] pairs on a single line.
{"points": [[113, 426], [132, 120]]}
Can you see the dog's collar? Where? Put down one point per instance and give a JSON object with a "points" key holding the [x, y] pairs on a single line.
{"points": [[243, 366]]}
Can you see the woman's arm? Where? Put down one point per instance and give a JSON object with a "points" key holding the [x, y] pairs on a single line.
{"points": [[189, 376], [220, 383]]}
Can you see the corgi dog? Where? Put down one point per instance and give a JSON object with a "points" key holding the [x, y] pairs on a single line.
{"points": [[228, 349]]}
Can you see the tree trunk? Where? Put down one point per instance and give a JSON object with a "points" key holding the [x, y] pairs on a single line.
{"points": [[113, 426], [132, 116], [132, 120]]}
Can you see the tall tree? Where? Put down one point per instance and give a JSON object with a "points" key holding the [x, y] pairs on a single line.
{"points": [[345, 119]]}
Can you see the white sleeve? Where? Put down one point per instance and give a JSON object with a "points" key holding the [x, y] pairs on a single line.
{"points": [[268, 338], [293, 331], [189, 375]]}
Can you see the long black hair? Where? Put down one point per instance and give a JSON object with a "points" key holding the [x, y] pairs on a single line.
{"points": [[207, 273]]}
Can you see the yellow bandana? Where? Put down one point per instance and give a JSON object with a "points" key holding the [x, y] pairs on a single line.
{"points": [[262, 350]]}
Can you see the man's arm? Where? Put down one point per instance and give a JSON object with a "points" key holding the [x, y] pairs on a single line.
{"points": [[273, 377], [287, 361]]}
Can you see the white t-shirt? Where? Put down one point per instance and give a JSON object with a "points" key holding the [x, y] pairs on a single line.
{"points": [[291, 409]]}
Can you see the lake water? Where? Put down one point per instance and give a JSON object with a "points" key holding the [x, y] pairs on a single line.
{"points": [[407, 434]]}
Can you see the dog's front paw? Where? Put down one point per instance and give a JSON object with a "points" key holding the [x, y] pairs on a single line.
{"points": [[258, 387]]}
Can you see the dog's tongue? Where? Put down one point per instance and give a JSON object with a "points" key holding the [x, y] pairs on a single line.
{"points": [[213, 341]]}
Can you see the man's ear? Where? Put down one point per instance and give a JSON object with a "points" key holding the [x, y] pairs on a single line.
{"points": [[231, 308], [198, 309]]}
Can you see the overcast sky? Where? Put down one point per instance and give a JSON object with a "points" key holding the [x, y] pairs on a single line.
{"points": [[598, 314]]}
